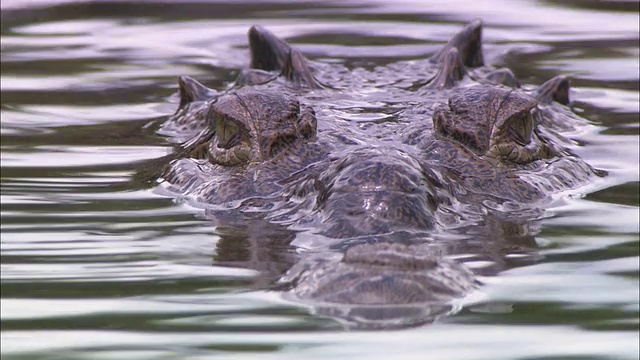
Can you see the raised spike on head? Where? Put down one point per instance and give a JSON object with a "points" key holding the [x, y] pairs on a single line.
{"points": [[296, 69], [451, 71], [268, 52], [468, 42], [191, 90], [556, 89]]}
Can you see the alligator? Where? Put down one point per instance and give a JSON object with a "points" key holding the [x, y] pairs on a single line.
{"points": [[376, 163]]}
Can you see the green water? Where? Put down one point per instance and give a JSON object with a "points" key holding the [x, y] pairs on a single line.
{"points": [[97, 266]]}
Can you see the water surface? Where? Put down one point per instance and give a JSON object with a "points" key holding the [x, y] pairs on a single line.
{"points": [[96, 265]]}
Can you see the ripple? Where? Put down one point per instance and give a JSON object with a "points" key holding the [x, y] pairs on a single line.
{"points": [[452, 342], [95, 265]]}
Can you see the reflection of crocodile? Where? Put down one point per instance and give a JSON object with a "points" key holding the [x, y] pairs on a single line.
{"points": [[398, 152]]}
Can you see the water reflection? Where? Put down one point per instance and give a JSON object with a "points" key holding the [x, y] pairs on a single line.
{"points": [[375, 282]]}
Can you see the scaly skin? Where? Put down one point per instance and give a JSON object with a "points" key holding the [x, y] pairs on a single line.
{"points": [[467, 142], [252, 140]]}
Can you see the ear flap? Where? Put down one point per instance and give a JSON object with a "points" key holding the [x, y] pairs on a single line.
{"points": [[556, 89], [468, 42], [296, 69], [451, 71], [191, 90], [268, 52]]}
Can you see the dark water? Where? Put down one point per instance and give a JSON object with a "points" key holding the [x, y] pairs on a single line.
{"points": [[97, 266]]}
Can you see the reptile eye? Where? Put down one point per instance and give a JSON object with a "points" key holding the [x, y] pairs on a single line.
{"points": [[228, 133], [521, 128]]}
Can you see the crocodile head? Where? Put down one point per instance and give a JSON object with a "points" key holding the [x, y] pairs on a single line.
{"points": [[252, 126]]}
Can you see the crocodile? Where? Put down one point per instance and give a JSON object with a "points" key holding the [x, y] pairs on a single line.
{"points": [[375, 162]]}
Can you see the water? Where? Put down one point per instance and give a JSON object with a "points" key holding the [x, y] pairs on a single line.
{"points": [[98, 266]]}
